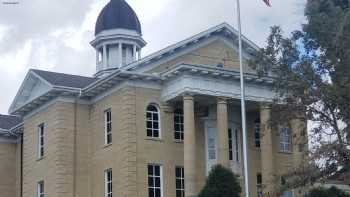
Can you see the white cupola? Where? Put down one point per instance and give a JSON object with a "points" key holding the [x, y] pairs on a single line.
{"points": [[118, 37]]}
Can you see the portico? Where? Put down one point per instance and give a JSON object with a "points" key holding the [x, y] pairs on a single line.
{"points": [[214, 102]]}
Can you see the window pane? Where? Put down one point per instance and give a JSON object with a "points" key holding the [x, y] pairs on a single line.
{"points": [[178, 183], [177, 135], [156, 133], [155, 116], [155, 125], [151, 192], [150, 182], [149, 132], [157, 170], [178, 193], [178, 172], [157, 193], [150, 170], [157, 182]]}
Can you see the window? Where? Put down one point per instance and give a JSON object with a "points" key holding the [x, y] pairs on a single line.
{"points": [[108, 183], [230, 151], [154, 180], [259, 185], [41, 142], [285, 140], [40, 189], [108, 126], [287, 194], [180, 181], [153, 122], [233, 145], [257, 133], [179, 124]]}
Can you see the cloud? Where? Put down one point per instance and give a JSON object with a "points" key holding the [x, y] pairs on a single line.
{"points": [[55, 35]]}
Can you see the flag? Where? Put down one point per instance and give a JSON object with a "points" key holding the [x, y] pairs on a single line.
{"points": [[267, 2]]}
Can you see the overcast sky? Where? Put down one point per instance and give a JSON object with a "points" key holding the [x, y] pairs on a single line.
{"points": [[54, 35]]}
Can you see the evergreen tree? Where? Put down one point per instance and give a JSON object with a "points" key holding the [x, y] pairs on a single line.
{"points": [[221, 183]]}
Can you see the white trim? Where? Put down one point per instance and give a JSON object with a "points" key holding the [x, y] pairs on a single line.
{"points": [[160, 176], [106, 122], [152, 121], [38, 191], [41, 135], [107, 182]]}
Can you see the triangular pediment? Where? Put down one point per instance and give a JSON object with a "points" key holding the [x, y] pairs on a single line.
{"points": [[217, 45], [32, 87]]}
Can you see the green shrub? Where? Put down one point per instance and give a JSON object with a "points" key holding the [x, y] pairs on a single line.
{"points": [[221, 183], [331, 192]]}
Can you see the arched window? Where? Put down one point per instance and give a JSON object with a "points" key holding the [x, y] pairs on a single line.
{"points": [[285, 140], [179, 124], [153, 123], [257, 133]]}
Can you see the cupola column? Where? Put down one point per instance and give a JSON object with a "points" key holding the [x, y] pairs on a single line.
{"points": [[120, 54], [134, 53], [139, 53], [104, 60]]}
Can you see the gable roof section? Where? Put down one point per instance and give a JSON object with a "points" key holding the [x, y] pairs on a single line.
{"points": [[7, 122], [223, 29], [65, 80], [40, 86]]}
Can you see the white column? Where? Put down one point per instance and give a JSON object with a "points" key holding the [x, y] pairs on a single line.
{"points": [[222, 132], [134, 53], [120, 54], [190, 147], [139, 53], [105, 63]]}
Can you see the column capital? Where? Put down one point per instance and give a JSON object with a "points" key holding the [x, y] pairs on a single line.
{"points": [[222, 100], [265, 105], [187, 97]]}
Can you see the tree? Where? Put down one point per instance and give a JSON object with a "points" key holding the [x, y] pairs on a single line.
{"points": [[312, 81], [221, 183], [323, 192]]}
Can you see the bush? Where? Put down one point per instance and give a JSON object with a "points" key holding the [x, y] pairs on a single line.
{"points": [[323, 192], [221, 183]]}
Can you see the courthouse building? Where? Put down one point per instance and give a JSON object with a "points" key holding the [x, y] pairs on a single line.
{"points": [[144, 126]]}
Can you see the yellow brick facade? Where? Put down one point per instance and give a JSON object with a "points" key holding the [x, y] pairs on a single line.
{"points": [[76, 155]]}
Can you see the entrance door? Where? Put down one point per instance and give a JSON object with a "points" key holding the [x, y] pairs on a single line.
{"points": [[211, 147], [234, 148]]}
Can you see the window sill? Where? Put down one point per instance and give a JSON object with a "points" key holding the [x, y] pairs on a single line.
{"points": [[178, 141], [40, 158], [285, 152], [107, 145], [154, 139]]}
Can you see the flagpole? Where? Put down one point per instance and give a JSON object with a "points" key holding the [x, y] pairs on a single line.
{"points": [[243, 111]]}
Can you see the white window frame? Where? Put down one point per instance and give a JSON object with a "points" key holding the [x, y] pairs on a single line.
{"points": [[40, 189], [153, 121], [106, 123], [41, 140], [153, 176], [285, 140], [179, 123], [182, 180], [108, 183]]}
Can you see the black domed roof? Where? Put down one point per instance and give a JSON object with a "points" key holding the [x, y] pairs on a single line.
{"points": [[117, 14]]}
